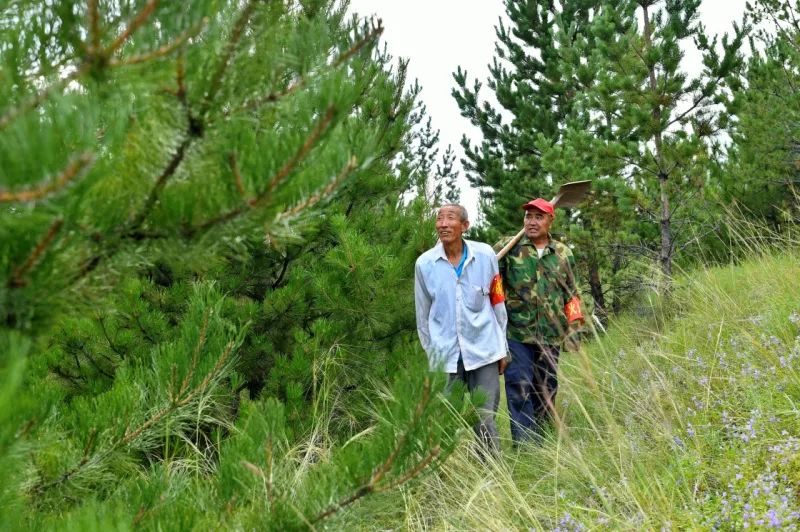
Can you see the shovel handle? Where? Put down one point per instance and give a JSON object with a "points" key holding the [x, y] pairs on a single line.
{"points": [[513, 242], [570, 194]]}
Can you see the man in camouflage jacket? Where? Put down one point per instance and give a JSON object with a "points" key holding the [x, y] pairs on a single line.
{"points": [[543, 309]]}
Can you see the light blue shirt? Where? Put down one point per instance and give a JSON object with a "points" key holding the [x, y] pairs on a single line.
{"points": [[460, 266], [454, 315]]}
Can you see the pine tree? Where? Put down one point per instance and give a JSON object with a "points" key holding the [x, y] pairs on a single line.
{"points": [[596, 90], [762, 171], [206, 265], [435, 182], [604, 229], [664, 122], [541, 72], [446, 178], [526, 81]]}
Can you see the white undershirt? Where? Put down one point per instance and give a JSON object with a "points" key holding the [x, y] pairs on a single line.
{"points": [[540, 251]]}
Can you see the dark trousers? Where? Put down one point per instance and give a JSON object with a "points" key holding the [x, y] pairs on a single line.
{"points": [[531, 385], [486, 380]]}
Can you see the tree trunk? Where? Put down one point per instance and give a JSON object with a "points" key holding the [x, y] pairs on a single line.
{"points": [[596, 289], [616, 266], [666, 233], [665, 256]]}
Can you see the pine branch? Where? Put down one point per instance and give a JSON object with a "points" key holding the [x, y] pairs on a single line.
{"points": [[133, 229], [374, 484], [139, 218], [301, 154], [89, 442], [131, 435], [134, 25], [95, 56], [74, 379], [78, 365], [111, 345], [413, 472], [630, 162], [42, 191], [91, 264], [237, 176], [37, 100], [284, 268], [303, 80], [162, 50], [143, 330], [201, 342], [695, 104], [314, 199], [227, 54], [180, 79], [17, 277], [95, 364], [377, 30], [276, 180], [93, 16], [275, 95], [371, 487], [98, 57], [195, 127]]}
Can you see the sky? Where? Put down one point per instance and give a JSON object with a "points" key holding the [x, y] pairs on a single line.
{"points": [[437, 36]]}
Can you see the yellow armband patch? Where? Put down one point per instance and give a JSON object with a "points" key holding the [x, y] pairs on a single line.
{"points": [[573, 310], [496, 293]]}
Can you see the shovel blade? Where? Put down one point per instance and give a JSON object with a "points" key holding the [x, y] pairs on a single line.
{"points": [[570, 194]]}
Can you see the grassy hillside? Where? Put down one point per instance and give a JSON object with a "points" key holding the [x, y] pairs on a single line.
{"points": [[684, 418]]}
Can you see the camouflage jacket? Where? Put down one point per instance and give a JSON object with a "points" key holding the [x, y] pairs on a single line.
{"points": [[537, 291]]}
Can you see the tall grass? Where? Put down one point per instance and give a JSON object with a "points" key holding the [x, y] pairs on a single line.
{"points": [[682, 417]]}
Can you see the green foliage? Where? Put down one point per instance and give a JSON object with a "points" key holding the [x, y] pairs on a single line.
{"points": [[205, 257], [282, 490], [526, 80], [431, 181], [167, 405], [210, 215], [687, 420], [597, 90], [664, 120], [13, 426], [761, 172]]}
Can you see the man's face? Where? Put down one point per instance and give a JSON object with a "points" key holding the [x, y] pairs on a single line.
{"points": [[537, 224], [449, 225]]}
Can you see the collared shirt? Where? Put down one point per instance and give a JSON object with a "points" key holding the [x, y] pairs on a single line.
{"points": [[460, 266], [537, 290], [454, 315]]}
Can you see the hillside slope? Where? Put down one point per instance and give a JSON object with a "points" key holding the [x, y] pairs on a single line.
{"points": [[687, 419]]}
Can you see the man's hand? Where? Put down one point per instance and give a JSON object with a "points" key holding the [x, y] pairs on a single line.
{"points": [[502, 364]]}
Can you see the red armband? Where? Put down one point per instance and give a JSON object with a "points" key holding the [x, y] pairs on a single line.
{"points": [[496, 293], [573, 310]]}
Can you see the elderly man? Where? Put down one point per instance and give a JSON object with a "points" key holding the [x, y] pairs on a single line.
{"points": [[543, 309], [461, 318]]}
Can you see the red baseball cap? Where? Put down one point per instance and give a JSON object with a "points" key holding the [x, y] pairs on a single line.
{"points": [[542, 205]]}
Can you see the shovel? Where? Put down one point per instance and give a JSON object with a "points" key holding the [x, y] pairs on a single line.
{"points": [[569, 195]]}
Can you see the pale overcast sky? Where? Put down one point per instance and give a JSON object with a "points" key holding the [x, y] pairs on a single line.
{"points": [[439, 35]]}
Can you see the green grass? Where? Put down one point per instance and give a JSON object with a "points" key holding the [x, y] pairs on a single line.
{"points": [[684, 417]]}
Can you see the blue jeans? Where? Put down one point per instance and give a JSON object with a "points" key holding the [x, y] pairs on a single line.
{"points": [[531, 385]]}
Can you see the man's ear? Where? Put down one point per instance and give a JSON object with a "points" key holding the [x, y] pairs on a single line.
{"points": [[466, 226]]}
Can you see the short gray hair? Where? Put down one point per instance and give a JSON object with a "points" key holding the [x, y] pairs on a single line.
{"points": [[462, 211]]}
